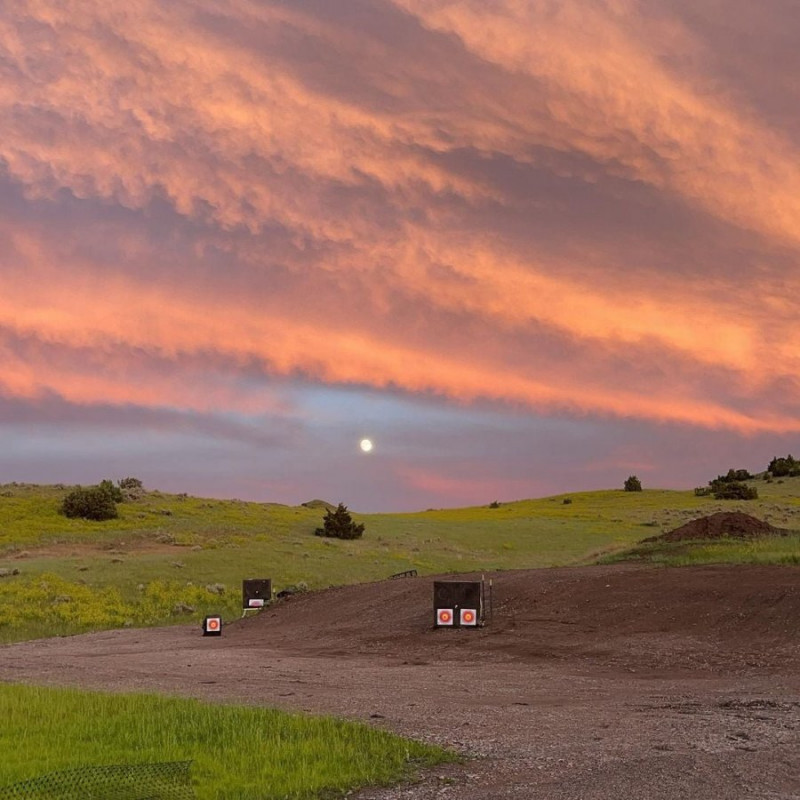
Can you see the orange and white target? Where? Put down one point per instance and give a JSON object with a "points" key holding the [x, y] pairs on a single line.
{"points": [[444, 616], [212, 626], [469, 616]]}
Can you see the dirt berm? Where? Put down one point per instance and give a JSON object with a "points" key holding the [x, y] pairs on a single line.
{"points": [[646, 617], [722, 525]]}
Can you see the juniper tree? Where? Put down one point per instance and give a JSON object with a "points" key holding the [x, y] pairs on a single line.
{"points": [[339, 524]]}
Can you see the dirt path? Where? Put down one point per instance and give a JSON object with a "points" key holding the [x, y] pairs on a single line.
{"points": [[588, 683]]}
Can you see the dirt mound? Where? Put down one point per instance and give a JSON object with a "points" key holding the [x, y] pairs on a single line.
{"points": [[601, 614], [723, 525]]}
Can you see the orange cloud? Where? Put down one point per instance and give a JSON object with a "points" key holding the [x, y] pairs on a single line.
{"points": [[100, 313], [610, 94], [197, 182]]}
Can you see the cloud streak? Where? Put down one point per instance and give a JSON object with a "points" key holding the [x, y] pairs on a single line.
{"points": [[568, 208]]}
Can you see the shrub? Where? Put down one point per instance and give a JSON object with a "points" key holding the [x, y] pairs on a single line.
{"points": [[494, 504], [338, 524], [702, 491], [633, 484], [781, 467], [91, 502], [732, 476], [735, 491], [131, 488], [114, 492]]}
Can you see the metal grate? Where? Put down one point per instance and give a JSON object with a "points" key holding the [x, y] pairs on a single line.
{"points": [[166, 781]]}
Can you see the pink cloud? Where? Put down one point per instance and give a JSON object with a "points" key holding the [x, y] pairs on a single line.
{"points": [[235, 202]]}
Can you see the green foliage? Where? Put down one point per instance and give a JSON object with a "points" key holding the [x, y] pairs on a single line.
{"points": [[90, 502], [50, 602], [130, 489], [781, 467], [732, 476], [338, 524], [100, 502], [113, 491], [238, 752], [731, 486], [767, 550], [633, 484], [735, 491]]}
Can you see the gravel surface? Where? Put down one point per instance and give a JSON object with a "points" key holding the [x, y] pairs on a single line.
{"points": [[601, 682]]}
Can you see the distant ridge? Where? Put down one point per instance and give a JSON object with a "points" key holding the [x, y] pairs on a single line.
{"points": [[319, 504]]}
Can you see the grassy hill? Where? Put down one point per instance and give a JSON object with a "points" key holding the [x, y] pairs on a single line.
{"points": [[176, 558]]}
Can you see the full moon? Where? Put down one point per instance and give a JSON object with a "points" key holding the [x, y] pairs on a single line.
{"points": [[366, 445]]}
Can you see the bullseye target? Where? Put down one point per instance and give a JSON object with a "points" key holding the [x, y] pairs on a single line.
{"points": [[212, 626], [444, 616], [469, 616]]}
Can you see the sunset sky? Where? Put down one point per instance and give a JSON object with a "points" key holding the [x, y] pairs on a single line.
{"points": [[526, 246]]}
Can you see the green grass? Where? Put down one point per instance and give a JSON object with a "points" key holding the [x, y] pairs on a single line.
{"points": [[153, 564], [770, 550], [238, 752], [46, 604]]}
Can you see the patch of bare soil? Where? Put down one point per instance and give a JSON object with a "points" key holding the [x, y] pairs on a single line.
{"points": [[602, 682], [82, 549], [722, 525]]}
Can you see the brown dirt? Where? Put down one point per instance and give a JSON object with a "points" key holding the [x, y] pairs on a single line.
{"points": [[723, 525], [601, 682]]}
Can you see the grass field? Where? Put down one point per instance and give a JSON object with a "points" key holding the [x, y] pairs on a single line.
{"points": [[238, 753], [772, 550], [174, 558]]}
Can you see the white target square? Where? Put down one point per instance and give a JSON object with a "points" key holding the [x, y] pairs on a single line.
{"points": [[444, 616], [469, 617], [212, 626]]}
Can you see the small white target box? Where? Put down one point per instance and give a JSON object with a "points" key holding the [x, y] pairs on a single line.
{"points": [[212, 626]]}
